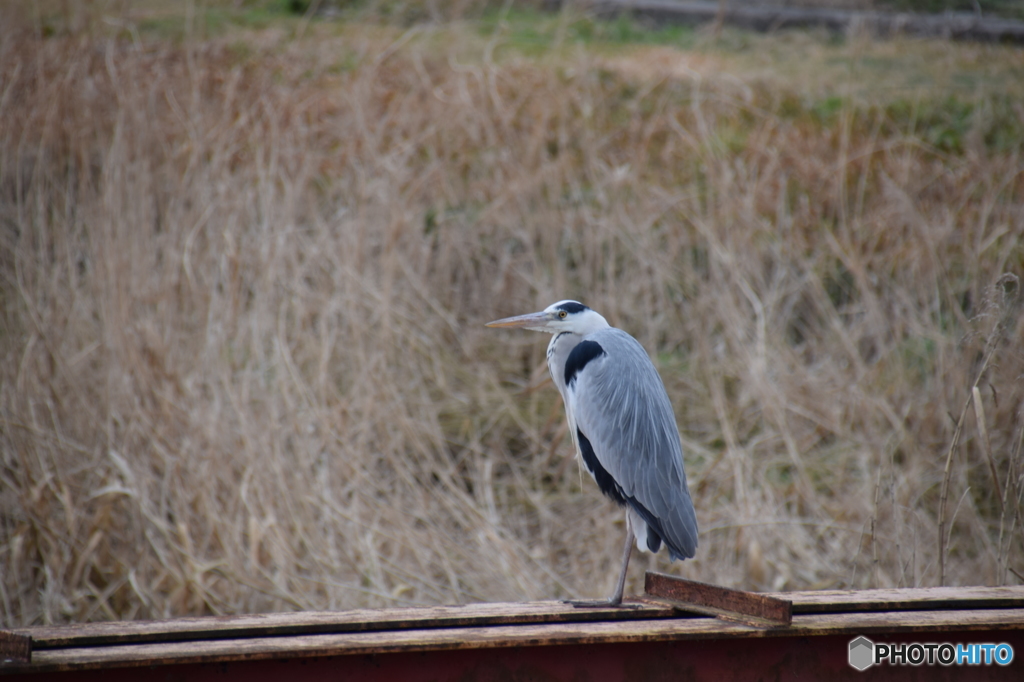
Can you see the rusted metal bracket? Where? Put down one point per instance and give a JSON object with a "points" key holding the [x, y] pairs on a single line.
{"points": [[17, 648], [710, 600]]}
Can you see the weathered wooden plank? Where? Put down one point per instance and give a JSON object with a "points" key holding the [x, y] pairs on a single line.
{"points": [[823, 601], [904, 599], [745, 607], [364, 620], [547, 634], [314, 622]]}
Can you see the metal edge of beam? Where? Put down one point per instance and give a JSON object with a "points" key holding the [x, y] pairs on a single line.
{"points": [[746, 607], [15, 648]]}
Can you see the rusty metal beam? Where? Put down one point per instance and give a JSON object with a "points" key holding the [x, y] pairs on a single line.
{"points": [[17, 648], [547, 640], [711, 600], [768, 657]]}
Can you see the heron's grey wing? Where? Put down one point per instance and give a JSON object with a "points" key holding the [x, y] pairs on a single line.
{"points": [[621, 407]]}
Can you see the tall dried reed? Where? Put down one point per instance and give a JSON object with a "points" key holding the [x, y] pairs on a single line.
{"points": [[242, 361]]}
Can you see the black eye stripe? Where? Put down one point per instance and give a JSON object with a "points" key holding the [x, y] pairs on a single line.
{"points": [[572, 307]]}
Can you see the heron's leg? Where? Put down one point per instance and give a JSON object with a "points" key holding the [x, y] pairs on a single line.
{"points": [[616, 598], [627, 551]]}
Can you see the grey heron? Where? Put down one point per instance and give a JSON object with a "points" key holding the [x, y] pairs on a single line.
{"points": [[622, 425]]}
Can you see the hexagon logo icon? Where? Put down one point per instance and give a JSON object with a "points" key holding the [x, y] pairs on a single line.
{"points": [[862, 653]]}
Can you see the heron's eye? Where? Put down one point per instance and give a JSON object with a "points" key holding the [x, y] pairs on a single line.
{"points": [[562, 314]]}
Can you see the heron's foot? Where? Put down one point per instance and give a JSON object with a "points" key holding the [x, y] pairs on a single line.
{"points": [[601, 604]]}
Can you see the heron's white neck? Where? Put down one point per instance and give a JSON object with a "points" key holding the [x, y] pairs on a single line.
{"points": [[566, 338], [582, 324]]}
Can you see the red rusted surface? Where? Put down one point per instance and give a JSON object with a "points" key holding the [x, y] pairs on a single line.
{"points": [[768, 659]]}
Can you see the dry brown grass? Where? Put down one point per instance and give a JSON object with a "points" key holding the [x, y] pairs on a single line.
{"points": [[243, 282]]}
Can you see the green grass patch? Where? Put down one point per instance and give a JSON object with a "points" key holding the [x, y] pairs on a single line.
{"points": [[216, 20], [533, 32], [946, 123]]}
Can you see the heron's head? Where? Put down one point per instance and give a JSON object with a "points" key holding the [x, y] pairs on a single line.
{"points": [[564, 316]]}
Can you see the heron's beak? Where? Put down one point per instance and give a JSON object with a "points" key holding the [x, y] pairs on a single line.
{"points": [[531, 320]]}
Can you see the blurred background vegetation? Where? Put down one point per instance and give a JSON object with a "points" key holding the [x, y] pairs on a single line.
{"points": [[247, 250]]}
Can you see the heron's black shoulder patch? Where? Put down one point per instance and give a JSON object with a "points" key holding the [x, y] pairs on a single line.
{"points": [[572, 307], [584, 352]]}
